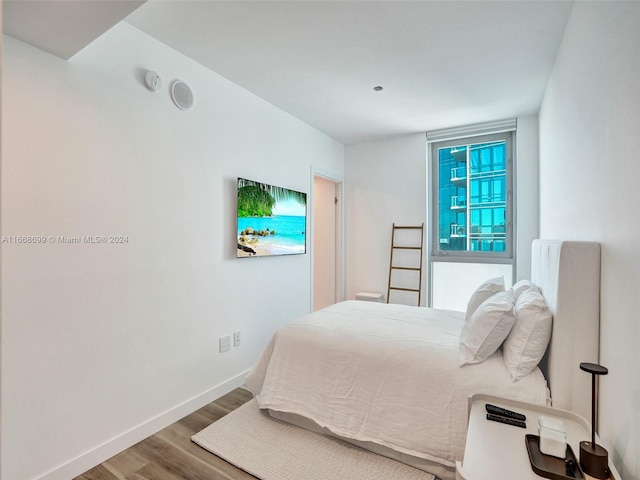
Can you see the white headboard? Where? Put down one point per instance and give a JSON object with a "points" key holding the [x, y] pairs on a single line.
{"points": [[568, 274]]}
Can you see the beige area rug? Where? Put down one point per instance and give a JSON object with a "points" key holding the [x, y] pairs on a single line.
{"points": [[274, 450]]}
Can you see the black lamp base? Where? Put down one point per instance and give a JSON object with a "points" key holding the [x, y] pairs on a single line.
{"points": [[594, 460]]}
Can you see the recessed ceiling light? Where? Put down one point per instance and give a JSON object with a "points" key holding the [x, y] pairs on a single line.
{"points": [[377, 89]]}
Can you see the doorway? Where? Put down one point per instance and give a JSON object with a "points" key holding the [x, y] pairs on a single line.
{"points": [[327, 266]]}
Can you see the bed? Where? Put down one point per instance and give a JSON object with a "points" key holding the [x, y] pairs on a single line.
{"points": [[388, 377]]}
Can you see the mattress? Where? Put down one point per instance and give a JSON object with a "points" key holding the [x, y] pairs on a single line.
{"points": [[383, 374]]}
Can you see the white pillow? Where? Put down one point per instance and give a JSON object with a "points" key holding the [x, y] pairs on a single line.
{"points": [[522, 286], [482, 293], [486, 329], [524, 347]]}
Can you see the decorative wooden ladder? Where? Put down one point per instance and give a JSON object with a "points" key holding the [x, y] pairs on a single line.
{"points": [[416, 268]]}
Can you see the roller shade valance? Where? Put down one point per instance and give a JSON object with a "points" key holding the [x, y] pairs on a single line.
{"points": [[472, 130]]}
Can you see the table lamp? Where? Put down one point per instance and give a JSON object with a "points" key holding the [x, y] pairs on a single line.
{"points": [[594, 458]]}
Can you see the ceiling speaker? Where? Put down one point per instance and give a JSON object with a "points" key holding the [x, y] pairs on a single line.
{"points": [[182, 95]]}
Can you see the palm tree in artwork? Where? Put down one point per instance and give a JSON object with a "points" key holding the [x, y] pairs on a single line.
{"points": [[258, 199]]}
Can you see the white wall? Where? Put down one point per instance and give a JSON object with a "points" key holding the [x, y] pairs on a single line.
{"points": [[386, 183], [103, 344], [589, 172], [526, 200], [1, 50]]}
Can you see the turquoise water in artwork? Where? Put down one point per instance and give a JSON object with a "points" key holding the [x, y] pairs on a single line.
{"points": [[290, 232]]}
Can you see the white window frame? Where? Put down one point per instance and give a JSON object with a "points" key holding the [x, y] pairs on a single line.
{"points": [[466, 135]]}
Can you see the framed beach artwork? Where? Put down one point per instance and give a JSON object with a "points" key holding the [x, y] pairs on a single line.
{"points": [[271, 220]]}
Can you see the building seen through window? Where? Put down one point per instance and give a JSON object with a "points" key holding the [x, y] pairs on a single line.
{"points": [[472, 197]]}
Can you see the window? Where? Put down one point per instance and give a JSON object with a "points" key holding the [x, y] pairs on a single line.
{"points": [[471, 178], [472, 210]]}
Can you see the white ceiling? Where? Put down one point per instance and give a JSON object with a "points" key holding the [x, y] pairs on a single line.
{"points": [[62, 27], [441, 63]]}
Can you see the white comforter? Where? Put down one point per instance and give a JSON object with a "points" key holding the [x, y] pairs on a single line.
{"points": [[383, 373]]}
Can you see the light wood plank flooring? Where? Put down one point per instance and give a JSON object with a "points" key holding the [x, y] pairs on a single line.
{"points": [[171, 455]]}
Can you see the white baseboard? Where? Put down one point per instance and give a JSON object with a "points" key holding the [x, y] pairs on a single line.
{"points": [[103, 452]]}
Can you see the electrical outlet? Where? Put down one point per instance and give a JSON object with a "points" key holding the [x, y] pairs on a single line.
{"points": [[225, 343], [236, 338]]}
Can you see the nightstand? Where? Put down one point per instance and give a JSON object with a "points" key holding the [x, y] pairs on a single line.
{"points": [[495, 451]]}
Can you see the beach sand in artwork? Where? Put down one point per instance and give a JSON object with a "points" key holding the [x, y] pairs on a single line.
{"points": [[263, 249], [259, 249]]}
